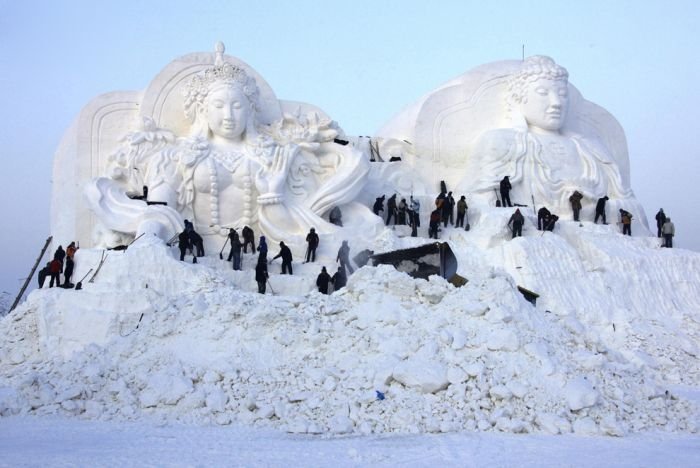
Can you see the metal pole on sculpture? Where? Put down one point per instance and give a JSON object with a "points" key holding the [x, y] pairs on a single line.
{"points": [[31, 274]]}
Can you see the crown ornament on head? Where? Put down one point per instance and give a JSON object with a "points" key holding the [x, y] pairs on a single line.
{"points": [[197, 88]]}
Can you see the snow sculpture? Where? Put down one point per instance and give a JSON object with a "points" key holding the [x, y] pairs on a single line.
{"points": [[524, 120], [238, 159]]}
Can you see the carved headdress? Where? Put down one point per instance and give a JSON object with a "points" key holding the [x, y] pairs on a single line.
{"points": [[222, 73]]}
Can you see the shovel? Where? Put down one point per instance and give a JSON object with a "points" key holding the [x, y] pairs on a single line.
{"points": [[79, 285], [221, 253]]}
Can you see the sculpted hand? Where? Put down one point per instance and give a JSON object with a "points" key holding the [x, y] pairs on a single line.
{"points": [[271, 178]]}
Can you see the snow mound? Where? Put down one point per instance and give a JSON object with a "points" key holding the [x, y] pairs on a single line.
{"points": [[613, 335]]}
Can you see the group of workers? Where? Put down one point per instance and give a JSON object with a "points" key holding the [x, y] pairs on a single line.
{"points": [[63, 262]]}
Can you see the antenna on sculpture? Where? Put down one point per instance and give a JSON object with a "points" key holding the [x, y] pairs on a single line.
{"points": [[523, 52], [219, 48]]}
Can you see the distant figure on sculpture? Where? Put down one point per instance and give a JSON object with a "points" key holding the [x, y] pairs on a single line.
{"points": [[286, 255], [668, 230], [575, 200], [516, 222], [505, 187], [600, 209], [312, 241], [660, 220], [626, 220]]}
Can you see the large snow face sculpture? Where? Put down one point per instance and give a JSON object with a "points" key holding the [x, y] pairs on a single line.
{"points": [[231, 169], [523, 120]]}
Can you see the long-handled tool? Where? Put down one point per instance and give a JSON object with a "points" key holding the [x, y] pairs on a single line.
{"points": [[79, 285], [466, 213], [221, 253]]}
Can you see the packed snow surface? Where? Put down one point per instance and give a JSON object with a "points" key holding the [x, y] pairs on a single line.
{"points": [[610, 349]]}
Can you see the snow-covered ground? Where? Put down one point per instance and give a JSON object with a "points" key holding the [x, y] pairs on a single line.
{"points": [[61, 442], [194, 354]]}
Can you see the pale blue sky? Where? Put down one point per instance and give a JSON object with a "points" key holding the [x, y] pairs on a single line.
{"points": [[361, 61]]}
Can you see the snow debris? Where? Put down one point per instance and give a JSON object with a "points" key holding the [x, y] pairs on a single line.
{"points": [[601, 353]]}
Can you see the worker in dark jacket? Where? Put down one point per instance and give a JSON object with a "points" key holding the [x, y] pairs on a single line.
{"points": [[183, 242], [339, 279], [60, 255], [235, 253], [391, 210], [543, 215], [600, 209], [262, 248], [261, 275], [575, 200], [505, 191], [322, 281], [312, 240], [286, 255], [197, 243], [516, 222], [378, 205], [248, 238], [660, 220]]}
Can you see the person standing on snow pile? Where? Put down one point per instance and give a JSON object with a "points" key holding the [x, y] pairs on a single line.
{"points": [[235, 254], [543, 215], [312, 240], [60, 255], [248, 238], [286, 255], [70, 253], [232, 234], [516, 223], [434, 223], [391, 209], [55, 272], [505, 187], [197, 243], [600, 210], [378, 205], [344, 256], [451, 209], [261, 275], [322, 281], [668, 230], [403, 208], [339, 279], [461, 211], [575, 200], [262, 248], [626, 220], [660, 220], [183, 243], [415, 210]]}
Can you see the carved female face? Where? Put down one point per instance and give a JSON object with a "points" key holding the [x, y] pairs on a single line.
{"points": [[545, 104], [227, 110]]}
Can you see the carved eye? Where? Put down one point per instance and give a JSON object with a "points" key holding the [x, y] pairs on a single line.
{"points": [[541, 91], [237, 105], [218, 104]]}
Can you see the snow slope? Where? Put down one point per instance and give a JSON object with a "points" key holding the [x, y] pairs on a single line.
{"points": [[611, 347]]}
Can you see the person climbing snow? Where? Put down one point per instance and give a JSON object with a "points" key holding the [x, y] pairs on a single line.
{"points": [[516, 222]]}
